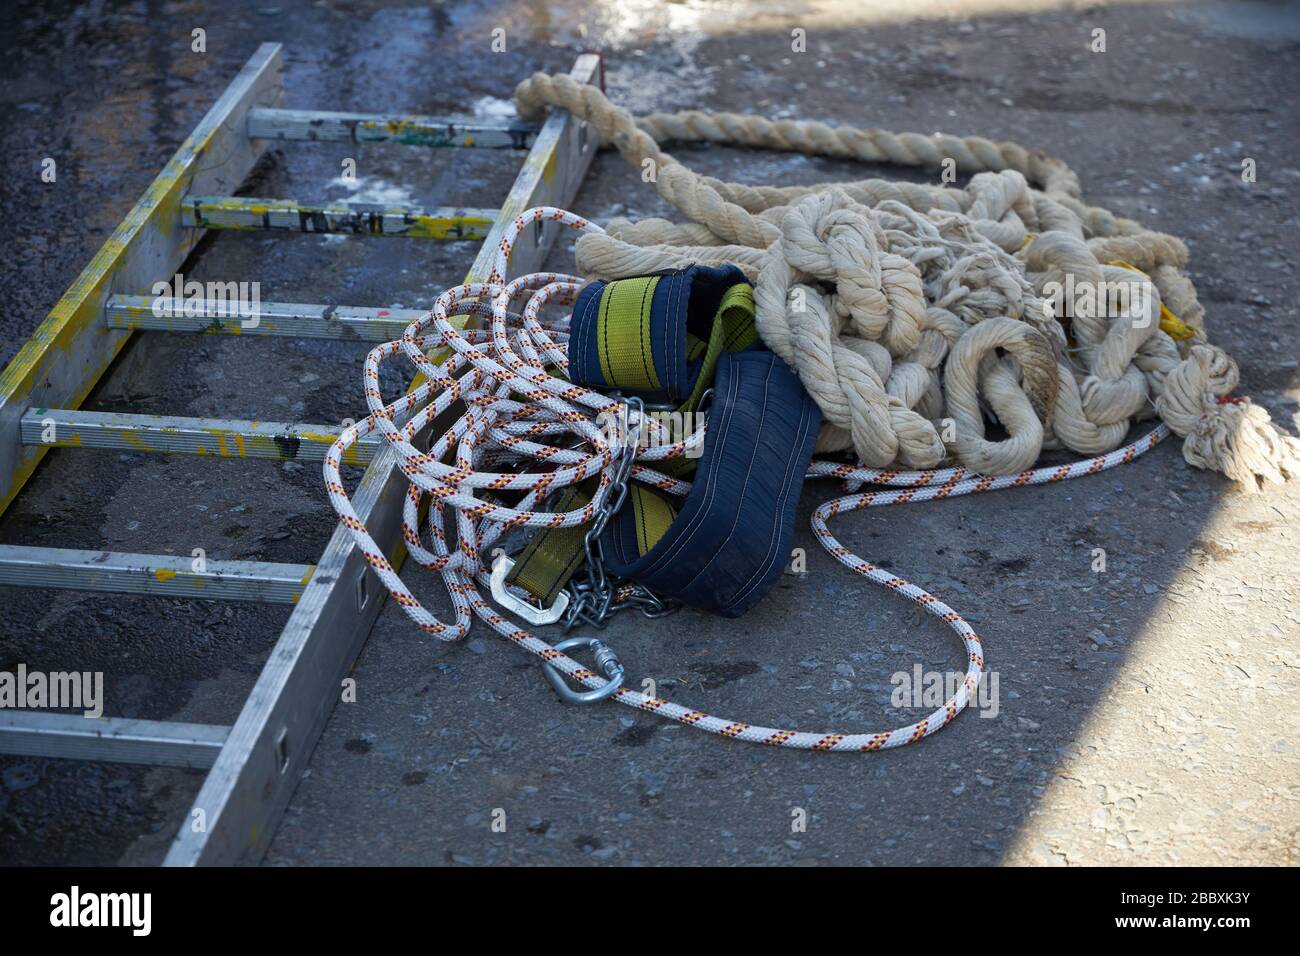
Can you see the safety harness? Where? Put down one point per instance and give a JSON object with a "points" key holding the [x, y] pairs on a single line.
{"points": [[672, 340]]}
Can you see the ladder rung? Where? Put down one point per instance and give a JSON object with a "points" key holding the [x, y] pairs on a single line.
{"points": [[34, 733], [154, 574], [334, 127], [359, 219], [292, 319], [171, 434]]}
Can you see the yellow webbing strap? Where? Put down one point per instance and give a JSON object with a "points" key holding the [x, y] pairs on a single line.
{"points": [[654, 514], [623, 334], [1170, 324], [553, 554], [733, 330]]}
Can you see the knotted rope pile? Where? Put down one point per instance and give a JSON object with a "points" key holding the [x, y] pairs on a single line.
{"points": [[913, 312]]}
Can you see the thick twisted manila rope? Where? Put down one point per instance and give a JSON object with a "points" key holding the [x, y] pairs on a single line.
{"points": [[912, 311]]}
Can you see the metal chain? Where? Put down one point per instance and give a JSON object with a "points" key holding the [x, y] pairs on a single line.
{"points": [[594, 596]]}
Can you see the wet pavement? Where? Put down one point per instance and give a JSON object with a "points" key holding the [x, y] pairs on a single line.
{"points": [[1144, 713]]}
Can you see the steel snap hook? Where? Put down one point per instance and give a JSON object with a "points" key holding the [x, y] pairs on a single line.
{"points": [[529, 612], [606, 662]]}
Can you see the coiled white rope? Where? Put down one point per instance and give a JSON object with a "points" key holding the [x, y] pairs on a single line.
{"points": [[516, 410]]}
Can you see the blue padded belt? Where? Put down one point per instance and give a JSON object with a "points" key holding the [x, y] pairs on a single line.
{"points": [[731, 538]]}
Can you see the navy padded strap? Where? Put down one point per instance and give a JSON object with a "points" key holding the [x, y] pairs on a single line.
{"points": [[732, 536], [684, 300]]}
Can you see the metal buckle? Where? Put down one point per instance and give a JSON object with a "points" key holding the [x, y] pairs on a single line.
{"points": [[606, 661], [529, 612]]}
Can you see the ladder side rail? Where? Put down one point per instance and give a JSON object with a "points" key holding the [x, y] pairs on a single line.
{"points": [[72, 347]]}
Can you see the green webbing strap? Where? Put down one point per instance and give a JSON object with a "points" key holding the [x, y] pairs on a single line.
{"points": [[627, 362], [733, 330]]}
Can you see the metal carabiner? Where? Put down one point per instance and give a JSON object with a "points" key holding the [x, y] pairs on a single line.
{"points": [[605, 661]]}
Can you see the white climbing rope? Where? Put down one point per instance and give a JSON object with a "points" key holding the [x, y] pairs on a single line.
{"points": [[515, 409]]}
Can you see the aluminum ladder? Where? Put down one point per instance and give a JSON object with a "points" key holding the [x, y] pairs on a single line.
{"points": [[254, 764]]}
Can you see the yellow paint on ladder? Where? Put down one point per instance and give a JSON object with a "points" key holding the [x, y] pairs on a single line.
{"points": [[118, 266]]}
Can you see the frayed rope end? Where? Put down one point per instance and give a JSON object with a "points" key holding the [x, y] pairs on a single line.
{"points": [[1236, 437]]}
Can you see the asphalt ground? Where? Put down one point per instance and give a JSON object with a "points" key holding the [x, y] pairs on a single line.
{"points": [[1144, 714]]}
